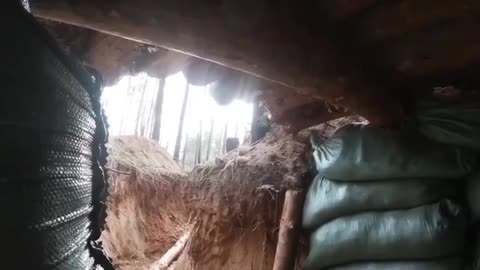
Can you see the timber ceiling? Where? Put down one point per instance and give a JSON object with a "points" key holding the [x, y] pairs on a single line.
{"points": [[367, 56]]}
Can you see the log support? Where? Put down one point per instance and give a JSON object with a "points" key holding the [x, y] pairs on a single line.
{"points": [[172, 254], [288, 233]]}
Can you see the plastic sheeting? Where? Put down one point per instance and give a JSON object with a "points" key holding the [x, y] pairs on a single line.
{"points": [[327, 199], [426, 232], [363, 153]]}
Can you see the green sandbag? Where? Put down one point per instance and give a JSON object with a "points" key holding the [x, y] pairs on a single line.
{"points": [[327, 199], [451, 122], [435, 264], [426, 232], [475, 250], [357, 152], [473, 196]]}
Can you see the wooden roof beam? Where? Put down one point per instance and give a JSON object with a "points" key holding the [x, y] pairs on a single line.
{"points": [[259, 41]]}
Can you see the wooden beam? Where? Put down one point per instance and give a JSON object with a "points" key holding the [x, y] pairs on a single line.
{"points": [[258, 41], [115, 57]]}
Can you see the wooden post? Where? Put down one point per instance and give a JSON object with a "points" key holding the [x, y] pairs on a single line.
{"points": [[289, 230]]}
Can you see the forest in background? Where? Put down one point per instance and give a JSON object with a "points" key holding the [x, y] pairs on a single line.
{"points": [[183, 118]]}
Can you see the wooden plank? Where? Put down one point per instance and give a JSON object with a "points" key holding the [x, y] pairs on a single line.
{"points": [[274, 46]]}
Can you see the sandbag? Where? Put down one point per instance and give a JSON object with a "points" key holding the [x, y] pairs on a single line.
{"points": [[357, 152], [473, 196], [475, 249], [426, 232], [436, 264], [449, 121], [327, 199]]}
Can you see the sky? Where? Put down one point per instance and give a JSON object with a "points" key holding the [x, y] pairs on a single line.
{"points": [[201, 107]]}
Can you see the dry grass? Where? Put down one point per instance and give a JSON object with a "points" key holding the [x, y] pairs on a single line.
{"points": [[232, 205], [240, 195], [143, 220], [145, 158], [153, 202]]}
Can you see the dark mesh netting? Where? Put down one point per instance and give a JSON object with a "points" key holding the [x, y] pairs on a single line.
{"points": [[52, 138]]}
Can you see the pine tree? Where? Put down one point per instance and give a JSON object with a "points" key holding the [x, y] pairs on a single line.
{"points": [[210, 137], [157, 111], [178, 142]]}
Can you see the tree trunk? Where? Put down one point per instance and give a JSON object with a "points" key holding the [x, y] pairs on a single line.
{"points": [[236, 128], [125, 104], [157, 111], [185, 148], [198, 156], [178, 142], [140, 110], [260, 125], [210, 136], [224, 139], [149, 123], [143, 120], [232, 143]]}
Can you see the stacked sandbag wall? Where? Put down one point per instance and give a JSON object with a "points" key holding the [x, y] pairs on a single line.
{"points": [[387, 199], [456, 121]]}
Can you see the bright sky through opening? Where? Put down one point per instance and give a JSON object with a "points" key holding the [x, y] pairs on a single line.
{"points": [[201, 107]]}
